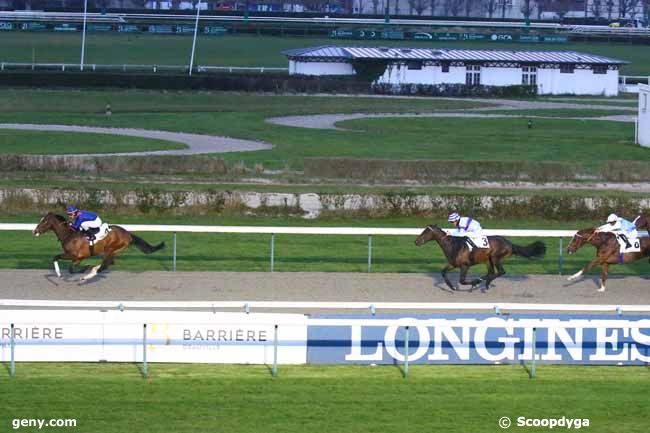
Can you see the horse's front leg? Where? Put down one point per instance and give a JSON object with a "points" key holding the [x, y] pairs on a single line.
{"points": [[55, 262], [444, 276], [603, 277], [587, 268]]}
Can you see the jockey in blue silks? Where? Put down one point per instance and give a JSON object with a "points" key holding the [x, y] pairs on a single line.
{"points": [[622, 228], [85, 221]]}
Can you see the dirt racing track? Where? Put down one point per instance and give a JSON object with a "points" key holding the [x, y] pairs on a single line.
{"points": [[307, 286]]}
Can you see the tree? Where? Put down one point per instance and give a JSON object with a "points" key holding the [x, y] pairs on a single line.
{"points": [[626, 6], [432, 7], [455, 7], [596, 7], [375, 7], [489, 6], [468, 7], [527, 8], [418, 6], [609, 6]]}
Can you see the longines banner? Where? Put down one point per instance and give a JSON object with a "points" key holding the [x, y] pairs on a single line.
{"points": [[197, 337], [484, 339]]}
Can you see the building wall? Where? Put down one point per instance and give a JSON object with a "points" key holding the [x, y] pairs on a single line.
{"points": [[643, 127], [549, 81], [580, 82], [500, 76], [320, 68]]}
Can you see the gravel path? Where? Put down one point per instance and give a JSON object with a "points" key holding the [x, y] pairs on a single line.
{"points": [[196, 143], [307, 286], [329, 121]]}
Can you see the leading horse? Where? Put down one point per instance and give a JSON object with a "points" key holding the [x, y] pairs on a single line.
{"points": [[607, 252], [459, 255], [77, 248]]}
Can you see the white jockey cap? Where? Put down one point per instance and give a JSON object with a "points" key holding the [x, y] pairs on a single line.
{"points": [[612, 218], [453, 217]]}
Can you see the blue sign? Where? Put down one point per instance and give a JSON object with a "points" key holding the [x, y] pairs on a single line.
{"points": [[483, 339]]}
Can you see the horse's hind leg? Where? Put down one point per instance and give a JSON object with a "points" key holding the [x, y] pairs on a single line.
{"points": [[490, 273], [463, 276]]}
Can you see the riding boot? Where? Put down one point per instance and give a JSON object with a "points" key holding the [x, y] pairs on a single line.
{"points": [[627, 242], [471, 243]]}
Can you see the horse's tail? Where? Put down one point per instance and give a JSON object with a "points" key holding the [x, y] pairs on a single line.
{"points": [[143, 246], [533, 251]]}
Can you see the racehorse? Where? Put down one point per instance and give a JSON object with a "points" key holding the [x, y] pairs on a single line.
{"points": [[77, 248], [642, 222], [607, 252], [459, 256]]}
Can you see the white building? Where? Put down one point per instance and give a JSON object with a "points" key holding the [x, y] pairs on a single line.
{"points": [[643, 124], [553, 72]]}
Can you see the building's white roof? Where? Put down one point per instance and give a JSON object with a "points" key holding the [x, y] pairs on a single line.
{"points": [[524, 56]]}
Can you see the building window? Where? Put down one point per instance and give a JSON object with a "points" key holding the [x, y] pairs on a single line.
{"points": [[445, 67], [473, 75], [600, 69], [566, 68], [644, 103], [414, 65], [529, 75]]}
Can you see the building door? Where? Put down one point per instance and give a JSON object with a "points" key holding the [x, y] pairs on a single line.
{"points": [[529, 76], [473, 75]]}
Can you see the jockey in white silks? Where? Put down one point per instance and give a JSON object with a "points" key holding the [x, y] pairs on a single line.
{"points": [[624, 230], [469, 228]]}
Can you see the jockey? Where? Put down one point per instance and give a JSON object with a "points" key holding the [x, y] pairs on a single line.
{"points": [[466, 227], [622, 228], [87, 222]]}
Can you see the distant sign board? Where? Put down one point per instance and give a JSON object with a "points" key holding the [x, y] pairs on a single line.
{"points": [[445, 36], [33, 27], [100, 28], [160, 29], [184, 29], [128, 28], [215, 30], [4, 25], [65, 27]]}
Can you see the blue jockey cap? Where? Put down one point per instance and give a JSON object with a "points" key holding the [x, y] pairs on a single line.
{"points": [[72, 209]]}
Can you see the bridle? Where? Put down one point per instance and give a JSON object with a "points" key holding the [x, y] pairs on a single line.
{"points": [[431, 228]]}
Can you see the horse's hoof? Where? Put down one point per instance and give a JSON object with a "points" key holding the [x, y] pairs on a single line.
{"points": [[602, 289]]}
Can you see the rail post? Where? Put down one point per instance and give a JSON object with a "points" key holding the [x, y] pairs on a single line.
{"points": [[561, 258], [174, 254], [369, 253], [406, 353], [272, 251], [12, 345], [533, 365], [144, 351], [274, 370]]}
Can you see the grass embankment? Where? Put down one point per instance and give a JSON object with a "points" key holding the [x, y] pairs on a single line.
{"points": [[244, 50], [244, 116], [316, 253], [56, 143], [206, 398]]}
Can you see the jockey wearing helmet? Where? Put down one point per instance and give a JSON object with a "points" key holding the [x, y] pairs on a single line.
{"points": [[465, 227], [87, 222], [622, 228]]}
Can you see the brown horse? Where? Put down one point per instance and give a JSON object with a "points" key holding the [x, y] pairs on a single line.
{"points": [[607, 252], [77, 248], [642, 222], [459, 256]]}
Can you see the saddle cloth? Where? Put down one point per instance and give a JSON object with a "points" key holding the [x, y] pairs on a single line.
{"points": [[634, 242], [104, 230], [480, 242]]}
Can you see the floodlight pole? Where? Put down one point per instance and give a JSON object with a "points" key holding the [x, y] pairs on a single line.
{"points": [[83, 36], [196, 30], [387, 12]]}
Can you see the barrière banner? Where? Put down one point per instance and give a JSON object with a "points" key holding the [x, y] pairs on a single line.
{"points": [[169, 336], [483, 339]]}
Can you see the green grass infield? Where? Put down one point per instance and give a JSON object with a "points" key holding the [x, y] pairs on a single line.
{"points": [[240, 399]]}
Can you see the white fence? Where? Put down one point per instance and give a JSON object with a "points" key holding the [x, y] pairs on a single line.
{"points": [[359, 231], [94, 67]]}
